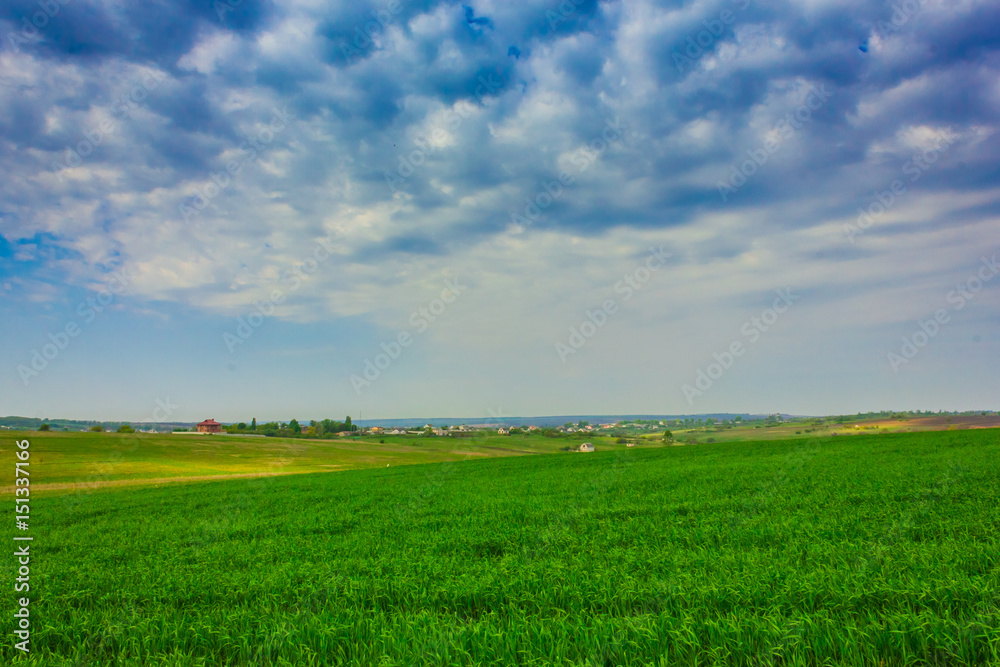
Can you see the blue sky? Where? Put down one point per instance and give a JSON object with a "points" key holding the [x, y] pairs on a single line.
{"points": [[402, 209]]}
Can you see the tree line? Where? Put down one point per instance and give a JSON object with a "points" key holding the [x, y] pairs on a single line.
{"points": [[293, 429]]}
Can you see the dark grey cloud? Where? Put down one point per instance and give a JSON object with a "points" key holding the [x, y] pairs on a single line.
{"points": [[358, 110], [159, 31]]}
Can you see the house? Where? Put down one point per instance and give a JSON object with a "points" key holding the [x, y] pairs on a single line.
{"points": [[502, 431], [375, 430], [587, 447], [209, 426], [631, 444]]}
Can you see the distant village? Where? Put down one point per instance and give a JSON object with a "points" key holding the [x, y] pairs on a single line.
{"points": [[331, 428], [328, 428]]}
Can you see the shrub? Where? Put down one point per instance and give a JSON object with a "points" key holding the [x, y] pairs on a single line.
{"points": [[44, 427], [96, 429]]}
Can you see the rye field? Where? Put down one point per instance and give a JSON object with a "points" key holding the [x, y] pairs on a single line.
{"points": [[84, 461], [873, 550]]}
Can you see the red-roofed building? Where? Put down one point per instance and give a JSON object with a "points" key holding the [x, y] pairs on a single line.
{"points": [[210, 426]]}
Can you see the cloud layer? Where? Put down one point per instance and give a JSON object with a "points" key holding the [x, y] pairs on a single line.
{"points": [[536, 151]]}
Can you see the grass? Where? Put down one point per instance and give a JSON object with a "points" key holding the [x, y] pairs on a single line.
{"points": [[82, 458], [751, 432], [879, 551]]}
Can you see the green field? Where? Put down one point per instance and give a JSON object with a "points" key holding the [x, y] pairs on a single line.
{"points": [[822, 427], [98, 458], [879, 550]]}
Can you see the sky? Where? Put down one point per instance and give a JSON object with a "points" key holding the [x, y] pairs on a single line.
{"points": [[310, 209]]}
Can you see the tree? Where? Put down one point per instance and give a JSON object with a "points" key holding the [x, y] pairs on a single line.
{"points": [[242, 426], [668, 436], [294, 425], [126, 428], [347, 424], [44, 427], [96, 429], [253, 424]]}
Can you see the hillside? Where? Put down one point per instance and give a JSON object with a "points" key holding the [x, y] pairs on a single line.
{"points": [[878, 550]]}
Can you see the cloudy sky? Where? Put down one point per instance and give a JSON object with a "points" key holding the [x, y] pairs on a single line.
{"points": [[416, 208]]}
